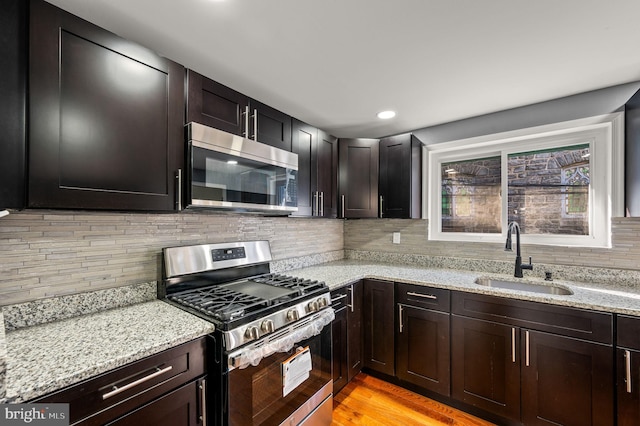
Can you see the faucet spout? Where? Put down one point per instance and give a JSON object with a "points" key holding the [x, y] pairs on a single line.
{"points": [[519, 266]]}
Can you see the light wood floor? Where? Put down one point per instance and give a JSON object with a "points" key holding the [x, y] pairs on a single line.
{"points": [[370, 401]]}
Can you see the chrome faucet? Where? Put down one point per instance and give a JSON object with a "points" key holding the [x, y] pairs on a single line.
{"points": [[507, 247]]}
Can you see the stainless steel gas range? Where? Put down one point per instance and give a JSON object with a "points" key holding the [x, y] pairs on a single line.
{"points": [[269, 360]]}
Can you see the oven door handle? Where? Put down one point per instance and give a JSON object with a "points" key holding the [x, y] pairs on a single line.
{"points": [[280, 341]]}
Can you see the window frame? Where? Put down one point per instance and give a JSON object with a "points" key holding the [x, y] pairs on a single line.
{"points": [[603, 133]]}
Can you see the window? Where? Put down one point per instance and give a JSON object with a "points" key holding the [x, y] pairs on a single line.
{"points": [[562, 183]]}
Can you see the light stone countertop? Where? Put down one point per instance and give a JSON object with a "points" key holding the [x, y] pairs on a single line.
{"points": [[47, 357], [586, 295]]}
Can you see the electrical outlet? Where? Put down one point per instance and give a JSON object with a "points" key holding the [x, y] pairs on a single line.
{"points": [[396, 238]]}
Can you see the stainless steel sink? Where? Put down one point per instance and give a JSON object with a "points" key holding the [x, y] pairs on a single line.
{"points": [[524, 286]]}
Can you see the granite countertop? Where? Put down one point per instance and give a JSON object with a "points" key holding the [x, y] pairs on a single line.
{"points": [[54, 351], [585, 295], [47, 357]]}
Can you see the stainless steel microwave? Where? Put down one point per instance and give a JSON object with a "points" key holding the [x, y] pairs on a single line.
{"points": [[227, 171]]}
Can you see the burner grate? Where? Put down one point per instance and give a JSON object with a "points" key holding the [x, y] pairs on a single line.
{"points": [[300, 285], [219, 302]]}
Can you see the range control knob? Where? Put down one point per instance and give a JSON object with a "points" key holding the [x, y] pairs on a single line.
{"points": [[322, 302], [312, 306], [293, 315], [267, 326], [252, 332]]}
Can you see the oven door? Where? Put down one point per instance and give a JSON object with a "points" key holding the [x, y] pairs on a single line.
{"points": [[291, 386]]}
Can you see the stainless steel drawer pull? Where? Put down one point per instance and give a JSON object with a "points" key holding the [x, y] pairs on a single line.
{"points": [[203, 401], [335, 299], [179, 190], [527, 348], [351, 305], [627, 364], [400, 317], [116, 390], [322, 204], [513, 345], [424, 296]]}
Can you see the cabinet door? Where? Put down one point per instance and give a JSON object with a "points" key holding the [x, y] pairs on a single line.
{"points": [[270, 126], [566, 381], [14, 24], [182, 407], [327, 166], [400, 177], [106, 118], [304, 142], [354, 334], [422, 353], [485, 366], [215, 105], [339, 348], [358, 177], [378, 323], [628, 390]]}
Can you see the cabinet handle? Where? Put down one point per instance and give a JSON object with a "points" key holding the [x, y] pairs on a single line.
{"points": [[400, 308], [245, 114], [526, 345], [314, 210], [255, 125], [116, 390], [350, 289], [627, 365], [203, 401], [424, 296], [321, 203], [342, 198], [335, 299], [179, 190], [380, 205], [513, 345]]}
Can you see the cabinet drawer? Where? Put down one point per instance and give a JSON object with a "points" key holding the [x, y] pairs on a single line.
{"points": [[119, 391], [571, 322], [436, 299], [628, 332]]}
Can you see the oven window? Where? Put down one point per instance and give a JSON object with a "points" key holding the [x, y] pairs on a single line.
{"points": [[256, 393], [220, 177]]}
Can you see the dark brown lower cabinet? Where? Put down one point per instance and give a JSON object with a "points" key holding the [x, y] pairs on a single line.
{"points": [[378, 324], [628, 390], [566, 381], [162, 389], [178, 408], [422, 351], [339, 361], [347, 334], [628, 370], [485, 366]]}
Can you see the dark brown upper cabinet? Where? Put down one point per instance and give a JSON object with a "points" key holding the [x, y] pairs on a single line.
{"points": [[400, 178], [632, 156], [216, 105], [317, 170], [14, 23], [358, 178], [106, 118]]}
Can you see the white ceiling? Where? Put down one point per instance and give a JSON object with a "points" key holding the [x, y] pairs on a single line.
{"points": [[336, 63]]}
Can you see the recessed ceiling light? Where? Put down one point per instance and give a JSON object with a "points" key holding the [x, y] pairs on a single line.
{"points": [[386, 114]]}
